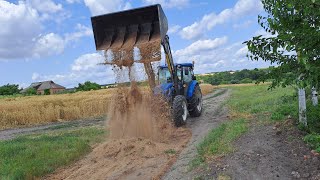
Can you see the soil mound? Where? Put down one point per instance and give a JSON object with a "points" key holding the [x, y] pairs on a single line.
{"points": [[133, 158]]}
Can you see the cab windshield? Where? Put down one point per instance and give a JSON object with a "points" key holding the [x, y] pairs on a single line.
{"points": [[165, 76]]}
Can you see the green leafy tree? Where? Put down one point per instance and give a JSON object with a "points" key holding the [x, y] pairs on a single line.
{"points": [[10, 89], [31, 91], [47, 92], [88, 86], [294, 44]]}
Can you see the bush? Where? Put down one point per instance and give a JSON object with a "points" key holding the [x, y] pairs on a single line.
{"points": [[313, 140], [313, 117], [47, 92], [234, 81], [31, 91], [88, 86], [246, 81]]}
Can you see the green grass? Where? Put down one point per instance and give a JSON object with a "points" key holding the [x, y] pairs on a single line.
{"points": [[264, 104], [313, 140], [33, 156]]}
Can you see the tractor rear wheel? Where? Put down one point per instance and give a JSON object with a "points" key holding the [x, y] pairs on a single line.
{"points": [[180, 110], [196, 102]]}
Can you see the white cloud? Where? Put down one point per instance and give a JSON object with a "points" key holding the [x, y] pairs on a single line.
{"points": [[243, 24], [84, 68], [168, 3], [21, 34], [174, 29], [220, 58], [45, 6], [87, 61], [208, 21], [242, 52], [49, 44], [201, 46], [98, 7], [73, 1], [81, 31], [20, 26]]}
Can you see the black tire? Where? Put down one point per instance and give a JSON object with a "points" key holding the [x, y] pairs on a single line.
{"points": [[196, 103], [180, 110]]}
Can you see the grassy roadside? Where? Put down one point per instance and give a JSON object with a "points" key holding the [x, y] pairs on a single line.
{"points": [[33, 156], [255, 103], [219, 141]]}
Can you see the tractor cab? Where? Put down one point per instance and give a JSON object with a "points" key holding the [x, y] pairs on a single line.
{"points": [[186, 80], [184, 72]]}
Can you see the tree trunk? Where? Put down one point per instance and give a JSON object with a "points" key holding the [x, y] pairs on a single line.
{"points": [[302, 107], [314, 97]]}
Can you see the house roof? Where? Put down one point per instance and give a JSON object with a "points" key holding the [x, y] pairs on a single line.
{"points": [[49, 85], [43, 85]]}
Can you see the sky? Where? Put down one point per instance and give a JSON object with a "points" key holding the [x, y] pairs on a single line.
{"points": [[52, 39]]}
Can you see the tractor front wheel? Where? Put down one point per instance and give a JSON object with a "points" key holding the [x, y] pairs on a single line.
{"points": [[180, 110]]}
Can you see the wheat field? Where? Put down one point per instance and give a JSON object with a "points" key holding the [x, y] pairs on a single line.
{"points": [[206, 88], [33, 110]]}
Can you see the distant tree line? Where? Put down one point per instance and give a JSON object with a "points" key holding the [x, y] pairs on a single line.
{"points": [[235, 77], [88, 86]]}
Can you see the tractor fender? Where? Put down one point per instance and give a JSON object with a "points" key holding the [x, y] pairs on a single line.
{"points": [[191, 89]]}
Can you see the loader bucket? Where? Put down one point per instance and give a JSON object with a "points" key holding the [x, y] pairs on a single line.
{"points": [[126, 29]]}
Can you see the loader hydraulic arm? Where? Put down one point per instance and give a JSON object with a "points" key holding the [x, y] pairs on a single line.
{"points": [[169, 61]]}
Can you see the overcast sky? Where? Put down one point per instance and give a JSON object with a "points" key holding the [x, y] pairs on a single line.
{"points": [[52, 39]]}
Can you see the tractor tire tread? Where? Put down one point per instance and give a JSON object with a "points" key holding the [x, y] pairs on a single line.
{"points": [[178, 110], [194, 112]]}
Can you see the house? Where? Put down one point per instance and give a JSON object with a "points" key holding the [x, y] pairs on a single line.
{"points": [[42, 87], [106, 86]]}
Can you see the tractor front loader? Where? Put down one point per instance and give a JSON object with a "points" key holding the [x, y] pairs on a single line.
{"points": [[146, 28]]}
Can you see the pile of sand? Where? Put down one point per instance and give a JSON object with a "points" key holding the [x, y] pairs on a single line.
{"points": [[131, 158]]}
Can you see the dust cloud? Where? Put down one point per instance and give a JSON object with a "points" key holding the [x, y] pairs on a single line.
{"points": [[135, 111]]}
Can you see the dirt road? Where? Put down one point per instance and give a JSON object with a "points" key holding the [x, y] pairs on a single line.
{"points": [[213, 115], [266, 152], [12, 133]]}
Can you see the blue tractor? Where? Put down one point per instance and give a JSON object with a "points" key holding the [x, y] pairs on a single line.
{"points": [[125, 30], [187, 98]]}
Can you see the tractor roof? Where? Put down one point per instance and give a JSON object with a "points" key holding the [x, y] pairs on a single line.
{"points": [[181, 64]]}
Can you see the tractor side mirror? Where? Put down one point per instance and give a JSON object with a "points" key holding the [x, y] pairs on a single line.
{"points": [[194, 77]]}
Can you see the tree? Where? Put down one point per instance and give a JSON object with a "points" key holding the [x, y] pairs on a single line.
{"points": [[10, 89], [295, 42], [31, 91], [88, 86], [47, 92]]}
